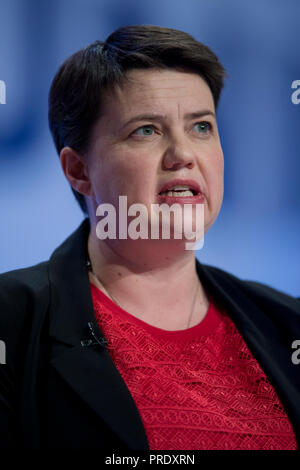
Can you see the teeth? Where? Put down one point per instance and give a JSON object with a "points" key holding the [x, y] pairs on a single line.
{"points": [[174, 188], [177, 193]]}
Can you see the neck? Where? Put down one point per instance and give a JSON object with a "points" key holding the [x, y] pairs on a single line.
{"points": [[156, 283]]}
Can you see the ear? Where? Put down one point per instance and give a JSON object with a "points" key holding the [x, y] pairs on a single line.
{"points": [[74, 167]]}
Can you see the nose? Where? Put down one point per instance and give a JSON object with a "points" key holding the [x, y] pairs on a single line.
{"points": [[179, 154]]}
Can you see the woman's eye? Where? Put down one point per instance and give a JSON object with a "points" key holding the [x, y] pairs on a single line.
{"points": [[203, 127], [144, 131]]}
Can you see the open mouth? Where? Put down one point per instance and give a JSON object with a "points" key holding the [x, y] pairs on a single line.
{"points": [[179, 192]]}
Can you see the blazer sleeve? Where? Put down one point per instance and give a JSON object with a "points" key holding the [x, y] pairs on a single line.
{"points": [[14, 307]]}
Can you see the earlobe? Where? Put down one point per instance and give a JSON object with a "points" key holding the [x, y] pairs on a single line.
{"points": [[74, 167]]}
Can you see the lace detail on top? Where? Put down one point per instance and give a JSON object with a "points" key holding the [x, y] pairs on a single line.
{"points": [[195, 389]]}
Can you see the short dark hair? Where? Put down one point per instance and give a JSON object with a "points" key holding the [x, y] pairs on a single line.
{"points": [[77, 88]]}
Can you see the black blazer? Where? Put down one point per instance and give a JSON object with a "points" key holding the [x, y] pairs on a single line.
{"points": [[60, 388]]}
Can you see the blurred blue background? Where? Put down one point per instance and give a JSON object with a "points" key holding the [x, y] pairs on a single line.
{"points": [[256, 235]]}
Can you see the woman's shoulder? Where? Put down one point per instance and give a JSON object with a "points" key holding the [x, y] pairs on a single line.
{"points": [[259, 292], [18, 284], [24, 296]]}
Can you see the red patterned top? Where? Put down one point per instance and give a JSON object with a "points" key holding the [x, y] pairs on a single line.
{"points": [[195, 389]]}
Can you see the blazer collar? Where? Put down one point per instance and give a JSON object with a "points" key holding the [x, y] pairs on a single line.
{"points": [[71, 302]]}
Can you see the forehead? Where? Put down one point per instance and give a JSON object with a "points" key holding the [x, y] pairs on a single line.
{"points": [[147, 90]]}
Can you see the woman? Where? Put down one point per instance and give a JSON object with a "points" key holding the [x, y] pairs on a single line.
{"points": [[131, 343]]}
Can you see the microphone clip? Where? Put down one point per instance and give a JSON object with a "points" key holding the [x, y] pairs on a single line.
{"points": [[94, 340]]}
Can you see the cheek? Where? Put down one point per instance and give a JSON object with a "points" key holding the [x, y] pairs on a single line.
{"points": [[220, 178], [137, 174], [217, 163], [215, 174], [124, 175]]}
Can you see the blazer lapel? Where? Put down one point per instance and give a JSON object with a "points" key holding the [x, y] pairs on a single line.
{"points": [[78, 352]]}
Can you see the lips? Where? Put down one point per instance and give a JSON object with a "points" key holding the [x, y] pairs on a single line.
{"points": [[197, 196], [191, 184]]}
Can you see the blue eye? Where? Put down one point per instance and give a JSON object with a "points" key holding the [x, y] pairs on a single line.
{"points": [[203, 127], [144, 131]]}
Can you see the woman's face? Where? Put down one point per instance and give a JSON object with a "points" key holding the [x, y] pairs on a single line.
{"points": [[159, 126]]}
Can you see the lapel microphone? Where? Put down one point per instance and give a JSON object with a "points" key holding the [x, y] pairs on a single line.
{"points": [[94, 340]]}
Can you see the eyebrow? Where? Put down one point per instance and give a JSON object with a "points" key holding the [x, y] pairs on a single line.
{"points": [[153, 117]]}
